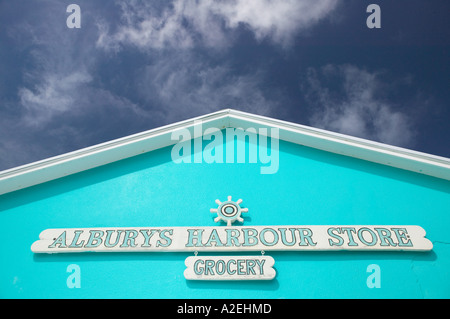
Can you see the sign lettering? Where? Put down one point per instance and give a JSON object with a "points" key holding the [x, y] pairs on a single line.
{"points": [[228, 239], [229, 268]]}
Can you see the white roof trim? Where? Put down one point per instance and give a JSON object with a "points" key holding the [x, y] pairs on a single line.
{"points": [[105, 153]]}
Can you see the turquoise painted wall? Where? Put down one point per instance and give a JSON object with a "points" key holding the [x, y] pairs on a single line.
{"points": [[311, 187]]}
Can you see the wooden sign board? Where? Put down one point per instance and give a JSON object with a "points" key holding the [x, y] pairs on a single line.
{"points": [[229, 268], [229, 239]]}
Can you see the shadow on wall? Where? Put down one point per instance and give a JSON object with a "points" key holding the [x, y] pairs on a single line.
{"points": [[319, 257]]}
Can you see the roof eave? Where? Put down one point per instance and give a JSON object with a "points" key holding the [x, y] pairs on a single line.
{"points": [[105, 153]]}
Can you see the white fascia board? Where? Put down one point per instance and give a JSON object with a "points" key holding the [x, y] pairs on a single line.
{"points": [[385, 154], [105, 153]]}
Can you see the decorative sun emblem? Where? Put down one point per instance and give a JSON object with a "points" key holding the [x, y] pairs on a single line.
{"points": [[229, 211]]}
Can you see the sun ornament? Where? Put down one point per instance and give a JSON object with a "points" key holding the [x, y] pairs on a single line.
{"points": [[229, 211]]}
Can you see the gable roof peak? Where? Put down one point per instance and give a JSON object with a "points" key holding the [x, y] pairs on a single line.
{"points": [[129, 146]]}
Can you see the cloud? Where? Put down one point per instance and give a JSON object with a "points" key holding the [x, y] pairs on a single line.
{"points": [[278, 21], [351, 100], [55, 93], [58, 103], [79, 87], [57, 70], [61, 76], [182, 85], [184, 24]]}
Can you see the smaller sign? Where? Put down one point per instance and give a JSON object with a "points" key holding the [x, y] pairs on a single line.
{"points": [[229, 268]]}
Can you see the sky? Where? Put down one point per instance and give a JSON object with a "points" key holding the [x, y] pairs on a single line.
{"points": [[136, 65]]}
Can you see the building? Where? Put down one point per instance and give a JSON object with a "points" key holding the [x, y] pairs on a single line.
{"points": [[120, 209]]}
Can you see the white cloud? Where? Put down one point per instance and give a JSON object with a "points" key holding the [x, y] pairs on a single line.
{"points": [[182, 85], [57, 69], [274, 19], [350, 100], [54, 93], [60, 79], [59, 104], [183, 23]]}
